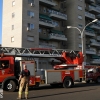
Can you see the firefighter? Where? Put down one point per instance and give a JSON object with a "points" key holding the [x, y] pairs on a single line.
{"points": [[24, 82]]}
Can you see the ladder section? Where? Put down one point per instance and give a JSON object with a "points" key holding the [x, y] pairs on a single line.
{"points": [[32, 52]]}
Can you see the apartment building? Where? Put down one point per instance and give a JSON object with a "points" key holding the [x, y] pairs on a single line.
{"points": [[42, 23], [92, 11], [35, 24], [84, 12]]}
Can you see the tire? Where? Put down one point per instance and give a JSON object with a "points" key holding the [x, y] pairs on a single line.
{"points": [[36, 85], [10, 86], [68, 82], [98, 80], [88, 81]]}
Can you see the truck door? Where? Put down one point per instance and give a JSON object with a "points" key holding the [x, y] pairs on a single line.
{"points": [[4, 68]]}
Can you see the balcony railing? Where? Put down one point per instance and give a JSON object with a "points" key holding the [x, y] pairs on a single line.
{"points": [[98, 16], [95, 43], [95, 61], [48, 2], [98, 53], [57, 14], [89, 51], [95, 26], [45, 45], [98, 1], [98, 38], [57, 37], [94, 9], [47, 23], [89, 15], [89, 33]]}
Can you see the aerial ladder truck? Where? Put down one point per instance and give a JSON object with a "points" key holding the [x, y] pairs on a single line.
{"points": [[65, 73]]}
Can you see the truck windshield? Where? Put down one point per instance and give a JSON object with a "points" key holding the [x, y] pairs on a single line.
{"points": [[4, 64]]}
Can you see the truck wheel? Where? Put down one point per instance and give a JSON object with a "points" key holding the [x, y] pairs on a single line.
{"points": [[36, 85], [10, 86], [98, 80], [68, 82], [88, 81]]}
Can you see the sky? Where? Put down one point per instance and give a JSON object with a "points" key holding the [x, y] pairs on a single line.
{"points": [[1, 21]]}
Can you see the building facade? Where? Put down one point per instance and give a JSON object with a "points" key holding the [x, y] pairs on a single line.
{"points": [[42, 24]]}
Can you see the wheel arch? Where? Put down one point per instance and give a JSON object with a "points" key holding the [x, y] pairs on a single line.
{"points": [[68, 77], [13, 78]]}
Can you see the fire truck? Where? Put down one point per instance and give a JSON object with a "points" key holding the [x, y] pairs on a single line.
{"points": [[64, 73]]}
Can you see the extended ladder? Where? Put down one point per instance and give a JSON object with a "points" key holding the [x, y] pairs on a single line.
{"points": [[32, 52]]}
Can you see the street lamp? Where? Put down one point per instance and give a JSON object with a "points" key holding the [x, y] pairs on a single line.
{"points": [[82, 36]]}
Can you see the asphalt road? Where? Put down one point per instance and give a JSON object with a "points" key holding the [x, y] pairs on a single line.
{"points": [[78, 92]]}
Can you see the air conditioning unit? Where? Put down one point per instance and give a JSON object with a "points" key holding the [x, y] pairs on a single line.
{"points": [[32, 4], [28, 29]]}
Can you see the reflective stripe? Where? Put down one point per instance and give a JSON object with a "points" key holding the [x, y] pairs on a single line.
{"points": [[26, 92], [20, 92]]}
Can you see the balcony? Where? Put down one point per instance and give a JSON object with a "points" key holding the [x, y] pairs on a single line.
{"points": [[57, 35], [58, 15], [98, 53], [45, 45], [98, 16], [95, 61], [89, 1], [90, 33], [48, 2], [95, 26], [94, 10], [94, 43], [98, 38], [46, 23], [90, 51], [89, 15], [98, 1]]}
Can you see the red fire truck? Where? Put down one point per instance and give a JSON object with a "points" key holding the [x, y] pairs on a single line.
{"points": [[66, 72]]}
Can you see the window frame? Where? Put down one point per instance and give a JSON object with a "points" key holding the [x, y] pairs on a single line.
{"points": [[80, 7], [13, 3], [80, 17], [13, 27]]}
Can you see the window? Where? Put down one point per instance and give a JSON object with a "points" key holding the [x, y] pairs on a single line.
{"points": [[13, 15], [13, 3], [4, 64], [30, 38], [79, 17], [80, 45], [79, 7], [79, 36], [31, 1], [40, 30], [12, 39], [80, 26], [30, 26], [44, 31], [44, 10], [30, 13], [12, 27], [56, 23]]}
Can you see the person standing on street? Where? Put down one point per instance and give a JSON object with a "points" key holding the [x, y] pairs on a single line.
{"points": [[24, 82]]}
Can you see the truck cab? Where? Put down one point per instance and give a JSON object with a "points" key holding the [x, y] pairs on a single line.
{"points": [[10, 70], [93, 74]]}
